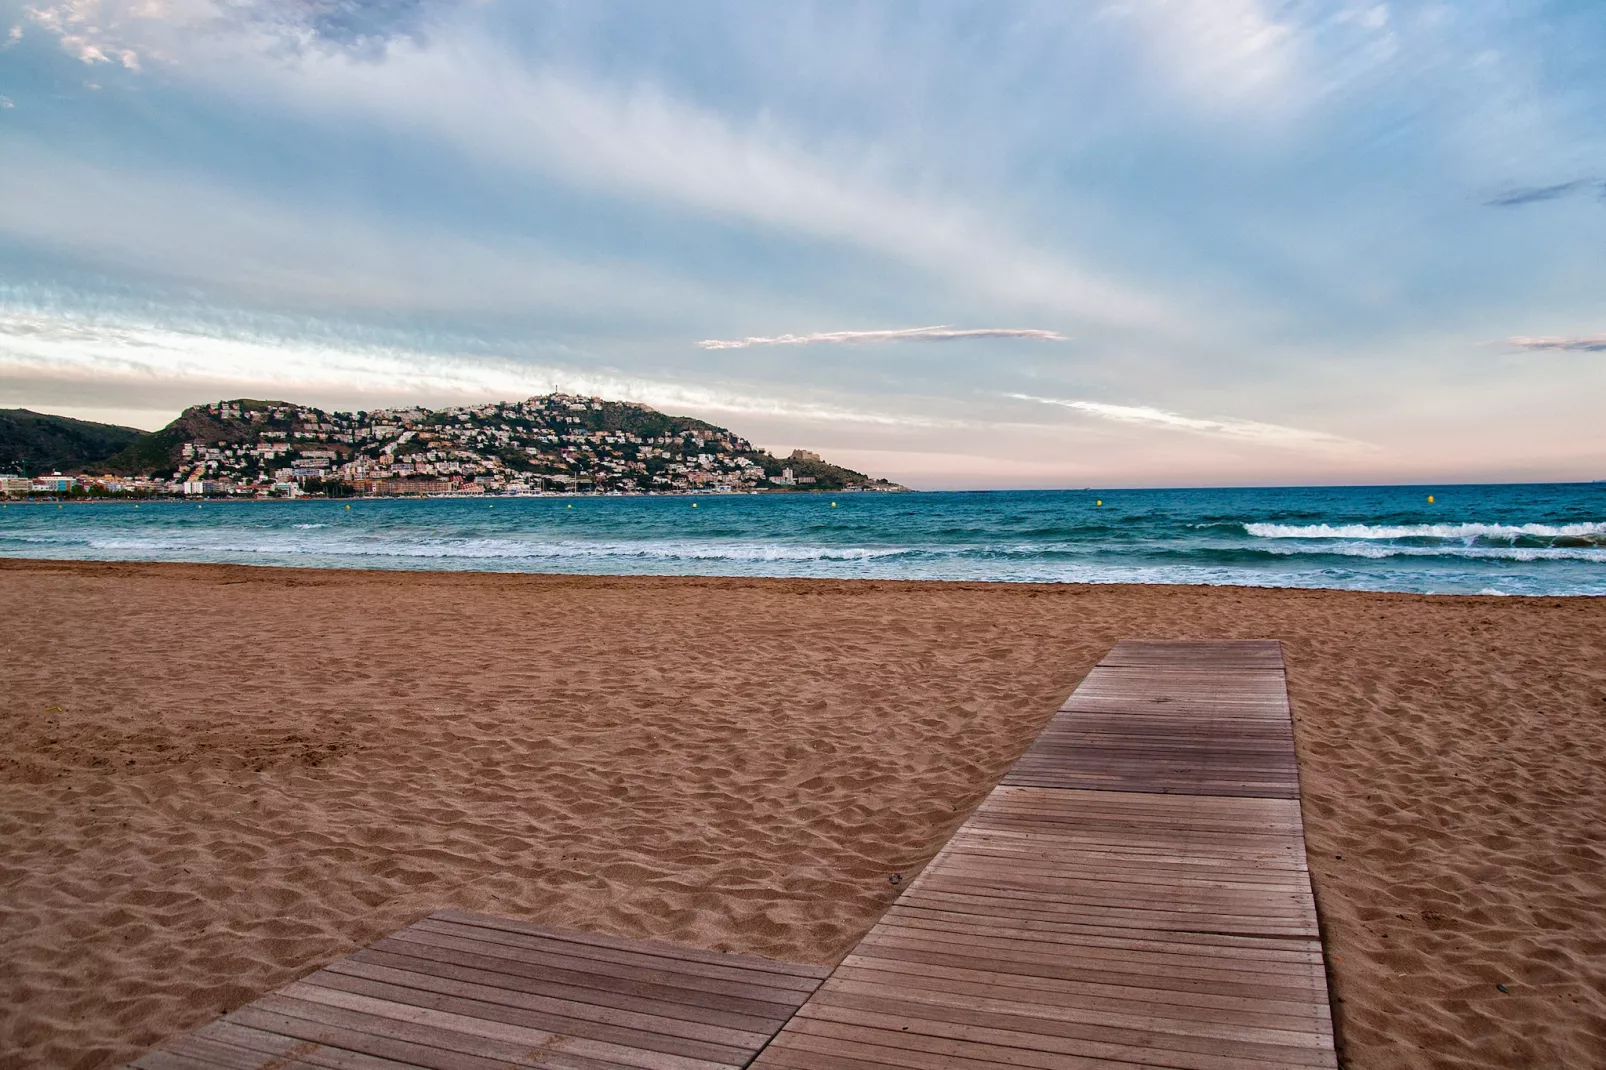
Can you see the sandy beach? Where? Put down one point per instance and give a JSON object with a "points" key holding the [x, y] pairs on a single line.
{"points": [[218, 778]]}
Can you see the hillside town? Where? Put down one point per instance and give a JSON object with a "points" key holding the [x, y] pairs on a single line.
{"points": [[555, 443]]}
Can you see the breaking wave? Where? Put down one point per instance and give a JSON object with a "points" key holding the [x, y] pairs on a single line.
{"points": [[1469, 553], [1595, 532]]}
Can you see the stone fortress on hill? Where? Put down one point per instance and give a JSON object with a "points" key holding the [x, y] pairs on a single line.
{"points": [[555, 442]]}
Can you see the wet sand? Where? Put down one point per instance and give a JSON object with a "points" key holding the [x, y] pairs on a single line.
{"points": [[217, 778]]}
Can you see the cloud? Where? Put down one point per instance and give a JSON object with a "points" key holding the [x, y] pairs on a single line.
{"points": [[1245, 430], [474, 95], [46, 348], [1585, 344], [1225, 52], [1520, 195], [908, 334], [364, 28], [168, 225], [88, 53], [95, 31], [641, 143], [7, 102]]}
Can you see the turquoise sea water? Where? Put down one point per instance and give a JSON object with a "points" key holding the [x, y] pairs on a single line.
{"points": [[1547, 539]]}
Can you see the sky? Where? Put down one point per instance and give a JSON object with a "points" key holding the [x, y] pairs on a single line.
{"points": [[956, 245]]}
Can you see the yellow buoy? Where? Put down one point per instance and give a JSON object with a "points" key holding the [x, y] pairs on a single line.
{"points": [[694, 505], [1430, 499], [833, 505], [569, 507], [348, 508], [1098, 501]]}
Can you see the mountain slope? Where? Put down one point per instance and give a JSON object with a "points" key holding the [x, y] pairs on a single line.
{"points": [[161, 451], [35, 442], [553, 441]]}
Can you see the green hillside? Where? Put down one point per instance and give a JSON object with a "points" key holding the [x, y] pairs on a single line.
{"points": [[161, 451], [34, 442]]}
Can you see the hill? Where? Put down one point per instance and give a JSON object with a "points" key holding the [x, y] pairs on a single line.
{"points": [[554, 441], [162, 452], [32, 443]]}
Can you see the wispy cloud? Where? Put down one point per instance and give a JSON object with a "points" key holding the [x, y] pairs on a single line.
{"points": [[41, 347], [364, 27], [1520, 195], [96, 31], [227, 239], [1218, 53], [907, 334], [1585, 344], [638, 141], [1246, 430]]}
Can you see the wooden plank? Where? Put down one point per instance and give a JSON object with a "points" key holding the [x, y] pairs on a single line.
{"points": [[991, 1001], [1065, 970], [540, 1015], [466, 1018], [462, 991], [450, 982], [255, 1048], [1133, 893], [1145, 1049], [624, 957], [359, 1024], [768, 967], [1293, 956], [313, 1049], [623, 977], [452, 967], [840, 1046], [1087, 994], [585, 986], [1072, 931]]}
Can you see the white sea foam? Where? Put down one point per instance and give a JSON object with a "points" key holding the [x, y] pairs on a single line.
{"points": [[1426, 531], [1595, 554], [493, 549]]}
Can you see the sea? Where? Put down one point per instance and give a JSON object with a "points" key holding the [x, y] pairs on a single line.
{"points": [[1508, 539]]}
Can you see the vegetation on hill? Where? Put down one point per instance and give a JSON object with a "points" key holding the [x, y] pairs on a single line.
{"points": [[554, 441], [161, 452], [32, 443]]}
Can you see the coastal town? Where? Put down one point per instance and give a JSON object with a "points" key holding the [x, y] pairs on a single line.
{"points": [[555, 443]]}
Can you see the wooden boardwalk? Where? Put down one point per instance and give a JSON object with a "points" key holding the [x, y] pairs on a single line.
{"points": [[459, 991], [1133, 894]]}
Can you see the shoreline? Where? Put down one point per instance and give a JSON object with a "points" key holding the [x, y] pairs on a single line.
{"points": [[225, 775], [48, 563], [875, 583]]}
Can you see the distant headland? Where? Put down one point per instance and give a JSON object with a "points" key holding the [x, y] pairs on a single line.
{"points": [[552, 442]]}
